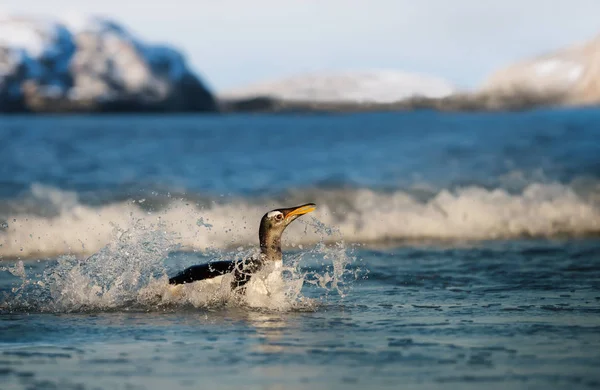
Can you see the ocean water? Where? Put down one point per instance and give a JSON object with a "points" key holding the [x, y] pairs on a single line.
{"points": [[453, 251]]}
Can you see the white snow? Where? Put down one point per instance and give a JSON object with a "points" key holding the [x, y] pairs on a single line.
{"points": [[558, 72], [374, 86], [575, 73], [559, 68], [36, 37], [548, 66], [79, 23]]}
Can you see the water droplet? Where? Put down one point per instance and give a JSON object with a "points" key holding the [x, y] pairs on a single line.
{"points": [[200, 222], [141, 200], [4, 225]]}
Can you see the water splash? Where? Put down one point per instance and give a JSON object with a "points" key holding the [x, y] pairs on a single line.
{"points": [[201, 222], [130, 274], [332, 271], [112, 277], [17, 270]]}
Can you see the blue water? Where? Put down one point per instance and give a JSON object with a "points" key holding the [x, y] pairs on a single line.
{"points": [[256, 155], [447, 250]]}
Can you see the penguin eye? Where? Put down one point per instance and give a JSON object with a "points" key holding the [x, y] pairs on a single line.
{"points": [[279, 217]]}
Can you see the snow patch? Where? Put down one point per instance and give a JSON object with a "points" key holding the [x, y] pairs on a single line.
{"points": [[569, 72], [89, 58], [372, 86]]}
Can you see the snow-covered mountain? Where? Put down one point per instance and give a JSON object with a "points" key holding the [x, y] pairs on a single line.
{"points": [[571, 73], [91, 63], [376, 86]]}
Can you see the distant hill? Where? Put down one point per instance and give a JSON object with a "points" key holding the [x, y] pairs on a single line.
{"points": [[572, 74], [91, 64], [374, 86], [567, 77]]}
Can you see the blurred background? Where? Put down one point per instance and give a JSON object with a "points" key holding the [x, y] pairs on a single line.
{"points": [[337, 51]]}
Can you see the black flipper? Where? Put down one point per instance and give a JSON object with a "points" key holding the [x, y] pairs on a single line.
{"points": [[203, 271], [243, 272]]}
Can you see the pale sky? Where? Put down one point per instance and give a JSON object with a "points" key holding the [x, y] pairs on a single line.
{"points": [[231, 43]]}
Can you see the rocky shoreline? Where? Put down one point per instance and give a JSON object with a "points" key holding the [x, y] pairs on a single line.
{"points": [[465, 102], [460, 102], [191, 97]]}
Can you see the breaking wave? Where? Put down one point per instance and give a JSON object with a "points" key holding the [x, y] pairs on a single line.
{"points": [[52, 222]]}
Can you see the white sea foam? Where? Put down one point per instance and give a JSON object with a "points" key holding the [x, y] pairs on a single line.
{"points": [[274, 287], [359, 216], [130, 244], [130, 273]]}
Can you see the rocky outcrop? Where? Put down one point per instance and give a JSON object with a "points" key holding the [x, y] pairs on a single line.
{"points": [[570, 75], [91, 64]]}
